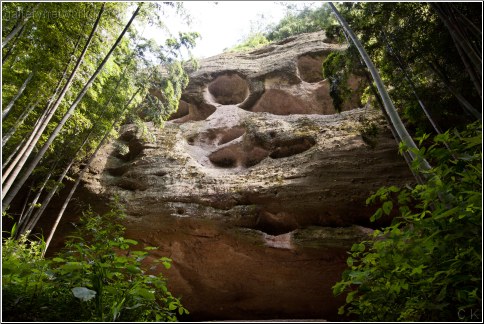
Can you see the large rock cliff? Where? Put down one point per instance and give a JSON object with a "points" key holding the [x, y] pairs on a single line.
{"points": [[256, 188]]}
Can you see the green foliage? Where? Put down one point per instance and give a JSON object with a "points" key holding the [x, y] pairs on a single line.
{"points": [[251, 42], [336, 71], [369, 132], [296, 22], [50, 44], [169, 81], [26, 277], [406, 39], [338, 67], [99, 277], [425, 266]]}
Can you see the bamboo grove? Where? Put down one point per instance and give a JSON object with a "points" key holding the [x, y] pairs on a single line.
{"points": [[71, 74]]}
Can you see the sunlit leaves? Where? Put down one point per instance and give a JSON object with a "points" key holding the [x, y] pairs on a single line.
{"points": [[425, 266], [98, 277], [297, 21], [403, 39]]}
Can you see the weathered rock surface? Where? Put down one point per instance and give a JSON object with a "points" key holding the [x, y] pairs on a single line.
{"points": [[256, 188]]}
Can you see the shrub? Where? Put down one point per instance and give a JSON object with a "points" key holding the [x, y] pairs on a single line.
{"points": [[427, 265], [98, 277]]}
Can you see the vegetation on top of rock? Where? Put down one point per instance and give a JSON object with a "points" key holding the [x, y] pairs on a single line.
{"points": [[298, 21], [253, 41], [418, 61]]}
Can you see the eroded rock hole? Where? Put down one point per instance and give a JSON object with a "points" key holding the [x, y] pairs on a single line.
{"points": [[279, 102], [183, 110], [276, 223], [217, 136], [191, 140], [286, 40], [160, 173], [119, 171], [264, 50], [136, 147], [189, 112], [131, 184], [310, 68], [292, 147], [255, 156], [228, 89], [230, 134], [223, 159], [235, 155]]}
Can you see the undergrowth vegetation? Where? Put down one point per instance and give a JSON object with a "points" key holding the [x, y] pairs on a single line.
{"points": [[99, 276], [425, 266]]}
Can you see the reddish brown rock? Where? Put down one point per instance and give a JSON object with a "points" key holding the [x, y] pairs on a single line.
{"points": [[256, 188]]}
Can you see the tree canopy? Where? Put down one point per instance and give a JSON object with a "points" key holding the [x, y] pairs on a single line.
{"points": [[69, 71]]}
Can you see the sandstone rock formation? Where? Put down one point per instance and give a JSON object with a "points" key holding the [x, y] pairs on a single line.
{"points": [[256, 188]]}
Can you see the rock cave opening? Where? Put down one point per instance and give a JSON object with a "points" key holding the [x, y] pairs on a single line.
{"points": [[183, 110], [276, 223], [216, 137], [229, 89], [236, 155], [224, 159], [292, 147], [118, 171], [310, 67], [280, 102], [241, 154], [131, 184], [229, 134], [190, 112]]}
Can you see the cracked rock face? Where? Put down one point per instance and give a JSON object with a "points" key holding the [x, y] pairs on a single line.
{"points": [[256, 188]]}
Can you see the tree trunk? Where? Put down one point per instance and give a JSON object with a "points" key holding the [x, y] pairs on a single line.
{"points": [[19, 122], [5, 162], [30, 223], [470, 71], [463, 101], [400, 129], [18, 27], [11, 194], [402, 67], [64, 74], [81, 174], [10, 50], [21, 214], [445, 13], [6, 184], [406, 156], [47, 199], [8, 109], [24, 219], [26, 145]]}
